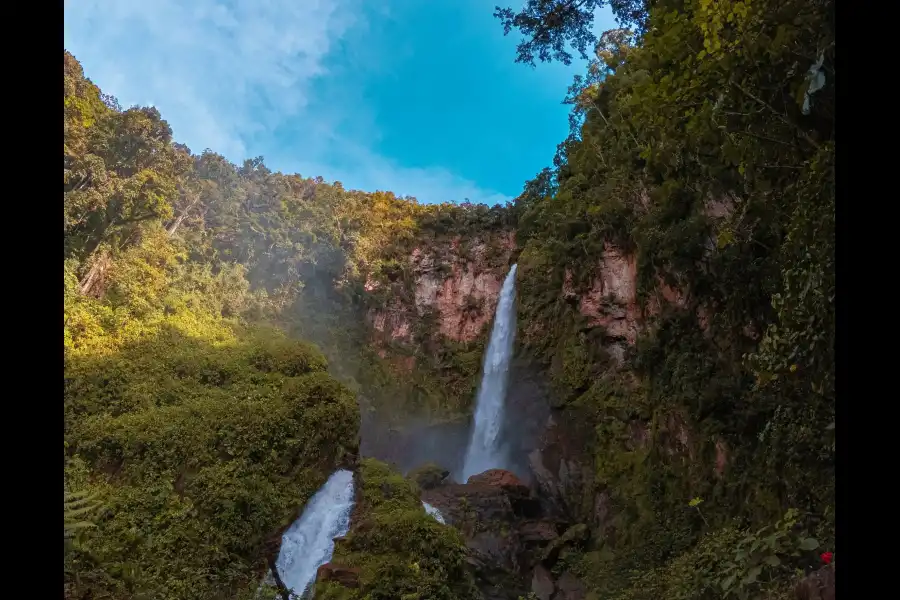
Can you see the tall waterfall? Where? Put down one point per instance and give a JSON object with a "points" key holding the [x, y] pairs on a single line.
{"points": [[484, 447], [309, 541]]}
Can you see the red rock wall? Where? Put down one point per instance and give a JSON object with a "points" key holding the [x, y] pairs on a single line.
{"points": [[460, 291]]}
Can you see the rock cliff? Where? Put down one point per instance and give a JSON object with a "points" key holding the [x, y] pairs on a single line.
{"points": [[520, 528]]}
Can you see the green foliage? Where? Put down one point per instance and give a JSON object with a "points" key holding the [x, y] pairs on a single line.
{"points": [[428, 475], [208, 438], [290, 250], [191, 436], [400, 550], [727, 563], [549, 27], [200, 425], [78, 506], [702, 150], [761, 561]]}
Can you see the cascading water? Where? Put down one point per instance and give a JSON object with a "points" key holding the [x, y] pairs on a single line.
{"points": [[309, 541], [434, 512], [484, 447]]}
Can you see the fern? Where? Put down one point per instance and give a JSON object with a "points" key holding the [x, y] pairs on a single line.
{"points": [[76, 506]]}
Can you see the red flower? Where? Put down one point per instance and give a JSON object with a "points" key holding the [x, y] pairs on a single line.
{"points": [[826, 557]]}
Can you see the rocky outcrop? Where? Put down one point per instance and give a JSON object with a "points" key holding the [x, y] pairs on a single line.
{"points": [[818, 585], [499, 477], [542, 583], [505, 529], [456, 284], [513, 543], [611, 301], [569, 587], [561, 469], [345, 576]]}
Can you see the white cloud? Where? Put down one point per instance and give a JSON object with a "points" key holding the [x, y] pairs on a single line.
{"points": [[220, 72], [232, 75]]}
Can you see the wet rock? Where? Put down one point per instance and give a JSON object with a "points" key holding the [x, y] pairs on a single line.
{"points": [[542, 583], [569, 587], [345, 576], [493, 548], [503, 526], [818, 585], [574, 535], [461, 503], [546, 483], [499, 477], [561, 467], [539, 532]]}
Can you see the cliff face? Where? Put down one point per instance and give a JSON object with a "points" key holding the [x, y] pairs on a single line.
{"points": [[446, 297], [453, 284], [429, 320], [595, 345]]}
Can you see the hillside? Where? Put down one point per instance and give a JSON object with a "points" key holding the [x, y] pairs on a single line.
{"points": [[233, 335]]}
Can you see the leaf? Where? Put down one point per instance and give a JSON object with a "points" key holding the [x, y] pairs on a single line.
{"points": [[724, 238], [809, 544], [729, 581], [752, 574], [772, 560]]}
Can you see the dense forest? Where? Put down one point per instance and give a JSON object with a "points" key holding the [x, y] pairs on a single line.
{"points": [[703, 144], [218, 355]]}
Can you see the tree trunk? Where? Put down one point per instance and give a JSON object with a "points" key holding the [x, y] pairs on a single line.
{"points": [[171, 229], [94, 275], [282, 589]]}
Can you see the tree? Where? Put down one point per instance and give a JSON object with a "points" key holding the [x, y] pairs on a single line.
{"points": [[548, 27]]}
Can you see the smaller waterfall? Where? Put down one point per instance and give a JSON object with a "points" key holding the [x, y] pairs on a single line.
{"points": [[309, 541], [484, 447], [434, 512]]}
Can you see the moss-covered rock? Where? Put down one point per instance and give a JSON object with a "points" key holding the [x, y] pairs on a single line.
{"points": [[399, 550], [429, 476]]}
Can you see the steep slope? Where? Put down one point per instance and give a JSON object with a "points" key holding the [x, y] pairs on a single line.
{"points": [[677, 270]]}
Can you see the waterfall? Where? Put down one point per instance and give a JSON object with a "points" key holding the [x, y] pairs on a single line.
{"points": [[484, 447], [309, 541], [434, 512]]}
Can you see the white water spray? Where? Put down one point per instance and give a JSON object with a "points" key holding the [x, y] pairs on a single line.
{"points": [[434, 512], [484, 447], [309, 541]]}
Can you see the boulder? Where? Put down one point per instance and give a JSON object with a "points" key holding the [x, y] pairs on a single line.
{"points": [[499, 477], [542, 583], [537, 532], [569, 587], [818, 585]]}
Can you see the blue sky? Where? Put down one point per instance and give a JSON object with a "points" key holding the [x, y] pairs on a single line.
{"points": [[420, 97]]}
